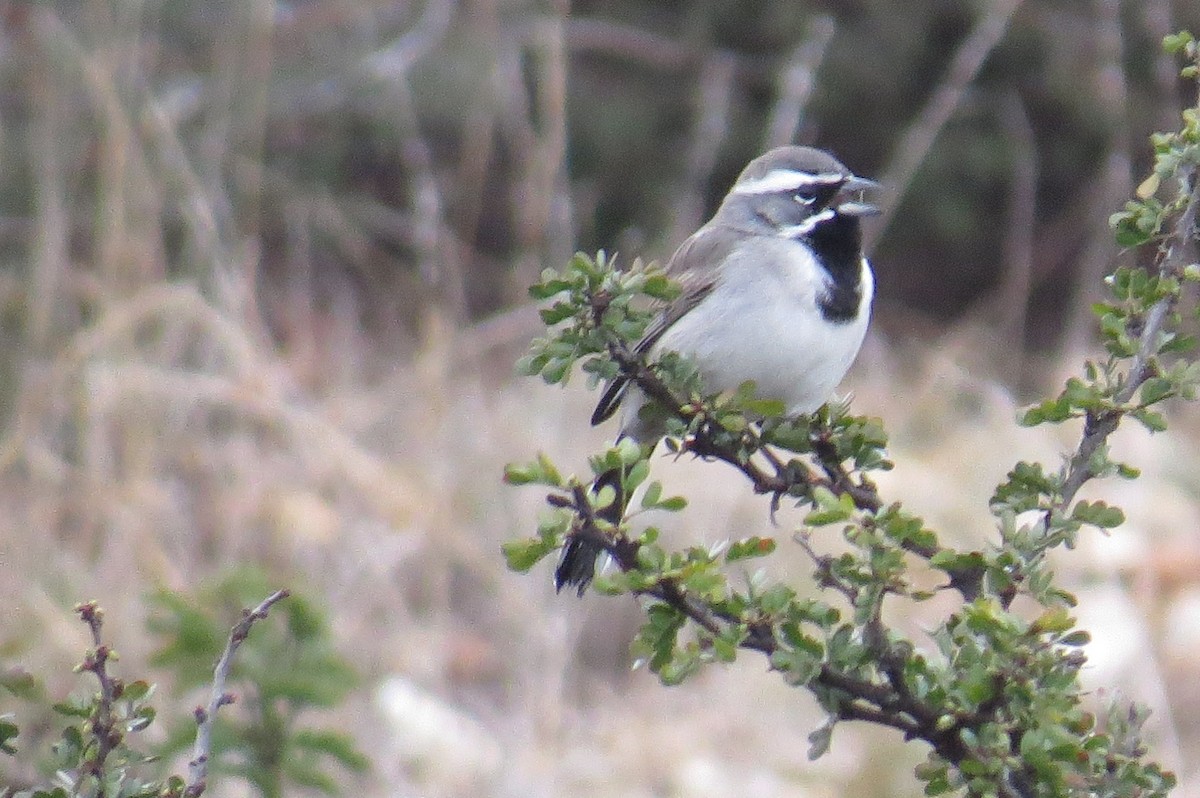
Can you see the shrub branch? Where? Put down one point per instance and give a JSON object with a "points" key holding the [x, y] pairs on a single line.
{"points": [[218, 697], [1098, 426]]}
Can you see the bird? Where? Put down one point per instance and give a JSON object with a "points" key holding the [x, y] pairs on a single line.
{"points": [[775, 288]]}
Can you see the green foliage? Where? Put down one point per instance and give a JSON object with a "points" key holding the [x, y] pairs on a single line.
{"points": [[998, 701], [284, 671], [281, 670], [997, 697], [612, 299], [95, 755]]}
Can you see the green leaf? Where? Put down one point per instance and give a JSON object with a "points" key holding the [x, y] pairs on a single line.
{"points": [[652, 499], [1126, 471], [605, 497], [798, 665], [635, 476], [655, 642], [1053, 620], [1051, 411], [1078, 638], [1098, 514], [705, 582], [829, 508], [1176, 42], [141, 719], [1151, 420], [22, 684], [819, 739], [672, 504], [1156, 389], [558, 312], [541, 472], [521, 555], [556, 370], [137, 690], [659, 286], [550, 286], [1148, 187], [753, 546], [1127, 235], [629, 451], [74, 707], [8, 733], [549, 473]]}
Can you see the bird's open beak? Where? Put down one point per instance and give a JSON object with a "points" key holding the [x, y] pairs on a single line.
{"points": [[849, 199]]}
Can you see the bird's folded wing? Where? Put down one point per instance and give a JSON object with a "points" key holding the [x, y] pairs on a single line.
{"points": [[695, 266]]}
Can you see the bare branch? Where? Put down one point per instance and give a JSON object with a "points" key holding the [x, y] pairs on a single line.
{"points": [[710, 106], [393, 61], [795, 82], [635, 44], [921, 134], [1019, 239], [206, 716]]}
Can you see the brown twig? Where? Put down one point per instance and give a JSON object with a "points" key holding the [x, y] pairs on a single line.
{"points": [[791, 478], [206, 716]]}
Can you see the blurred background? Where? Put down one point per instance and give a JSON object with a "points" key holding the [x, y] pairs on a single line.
{"points": [[262, 282]]}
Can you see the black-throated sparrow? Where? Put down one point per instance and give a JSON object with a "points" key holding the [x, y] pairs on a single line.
{"points": [[775, 290]]}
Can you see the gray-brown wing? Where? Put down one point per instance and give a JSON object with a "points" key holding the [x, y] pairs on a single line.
{"points": [[694, 267]]}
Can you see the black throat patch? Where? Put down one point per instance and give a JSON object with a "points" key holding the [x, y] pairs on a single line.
{"points": [[837, 246]]}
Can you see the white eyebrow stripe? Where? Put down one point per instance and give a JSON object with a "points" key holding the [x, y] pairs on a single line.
{"points": [[779, 180], [807, 226]]}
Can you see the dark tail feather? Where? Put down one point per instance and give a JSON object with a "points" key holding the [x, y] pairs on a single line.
{"points": [[577, 565], [614, 392]]}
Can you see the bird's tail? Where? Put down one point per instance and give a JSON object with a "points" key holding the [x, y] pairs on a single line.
{"points": [[577, 565]]}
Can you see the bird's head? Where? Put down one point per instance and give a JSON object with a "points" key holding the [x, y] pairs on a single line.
{"points": [[793, 191]]}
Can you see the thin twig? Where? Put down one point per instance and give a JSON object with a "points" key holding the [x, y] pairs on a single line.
{"points": [[711, 108], [795, 82], [206, 716], [1116, 179], [1019, 244], [918, 139]]}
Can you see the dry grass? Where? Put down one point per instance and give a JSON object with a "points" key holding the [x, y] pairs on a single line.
{"points": [[172, 407]]}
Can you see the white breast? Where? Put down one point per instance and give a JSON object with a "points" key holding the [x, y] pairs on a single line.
{"points": [[761, 322]]}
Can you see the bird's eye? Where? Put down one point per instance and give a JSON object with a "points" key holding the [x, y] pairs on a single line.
{"points": [[804, 199]]}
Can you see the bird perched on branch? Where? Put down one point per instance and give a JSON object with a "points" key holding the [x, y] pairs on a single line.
{"points": [[775, 289]]}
